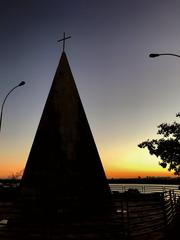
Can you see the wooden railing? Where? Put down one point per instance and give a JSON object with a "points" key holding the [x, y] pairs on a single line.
{"points": [[150, 214], [169, 206]]}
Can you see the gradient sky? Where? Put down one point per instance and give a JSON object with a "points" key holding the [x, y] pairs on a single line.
{"points": [[125, 94]]}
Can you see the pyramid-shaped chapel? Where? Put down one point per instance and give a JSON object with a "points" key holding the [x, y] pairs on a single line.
{"points": [[64, 171]]}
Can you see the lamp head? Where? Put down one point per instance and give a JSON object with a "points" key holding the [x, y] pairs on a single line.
{"points": [[153, 55], [21, 83]]}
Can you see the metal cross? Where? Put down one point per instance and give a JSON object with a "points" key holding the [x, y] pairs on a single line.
{"points": [[64, 39]]}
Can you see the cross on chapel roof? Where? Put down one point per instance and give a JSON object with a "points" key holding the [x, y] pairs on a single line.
{"points": [[64, 40]]}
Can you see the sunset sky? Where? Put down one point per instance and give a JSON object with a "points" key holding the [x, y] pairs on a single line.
{"points": [[125, 93]]}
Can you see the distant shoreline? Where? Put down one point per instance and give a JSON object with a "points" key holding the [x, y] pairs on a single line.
{"points": [[147, 180]]}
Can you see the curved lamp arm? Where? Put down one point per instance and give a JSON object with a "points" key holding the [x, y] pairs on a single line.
{"points": [[153, 55], [2, 107]]}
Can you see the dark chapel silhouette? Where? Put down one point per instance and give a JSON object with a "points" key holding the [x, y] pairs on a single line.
{"points": [[64, 173]]}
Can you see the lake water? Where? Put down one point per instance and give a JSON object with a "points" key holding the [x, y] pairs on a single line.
{"points": [[145, 188]]}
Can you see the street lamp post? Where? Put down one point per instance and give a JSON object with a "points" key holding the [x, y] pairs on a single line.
{"points": [[153, 55], [2, 107]]}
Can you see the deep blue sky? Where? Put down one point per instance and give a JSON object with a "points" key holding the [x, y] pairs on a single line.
{"points": [[125, 94]]}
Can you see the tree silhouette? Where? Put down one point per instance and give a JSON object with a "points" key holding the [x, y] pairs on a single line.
{"points": [[167, 147]]}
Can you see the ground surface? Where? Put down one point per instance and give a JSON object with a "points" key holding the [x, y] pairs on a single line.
{"points": [[138, 219]]}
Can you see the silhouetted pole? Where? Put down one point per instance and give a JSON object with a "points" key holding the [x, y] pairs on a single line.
{"points": [[19, 85], [153, 55]]}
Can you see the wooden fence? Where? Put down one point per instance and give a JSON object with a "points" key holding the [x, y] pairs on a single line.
{"points": [[169, 206], [147, 215]]}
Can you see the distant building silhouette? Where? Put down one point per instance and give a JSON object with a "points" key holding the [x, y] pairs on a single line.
{"points": [[64, 171]]}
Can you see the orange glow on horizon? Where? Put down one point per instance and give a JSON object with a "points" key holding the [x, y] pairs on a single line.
{"points": [[8, 171], [136, 174], [129, 163]]}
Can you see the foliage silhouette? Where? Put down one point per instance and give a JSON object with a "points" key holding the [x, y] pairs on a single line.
{"points": [[167, 147]]}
